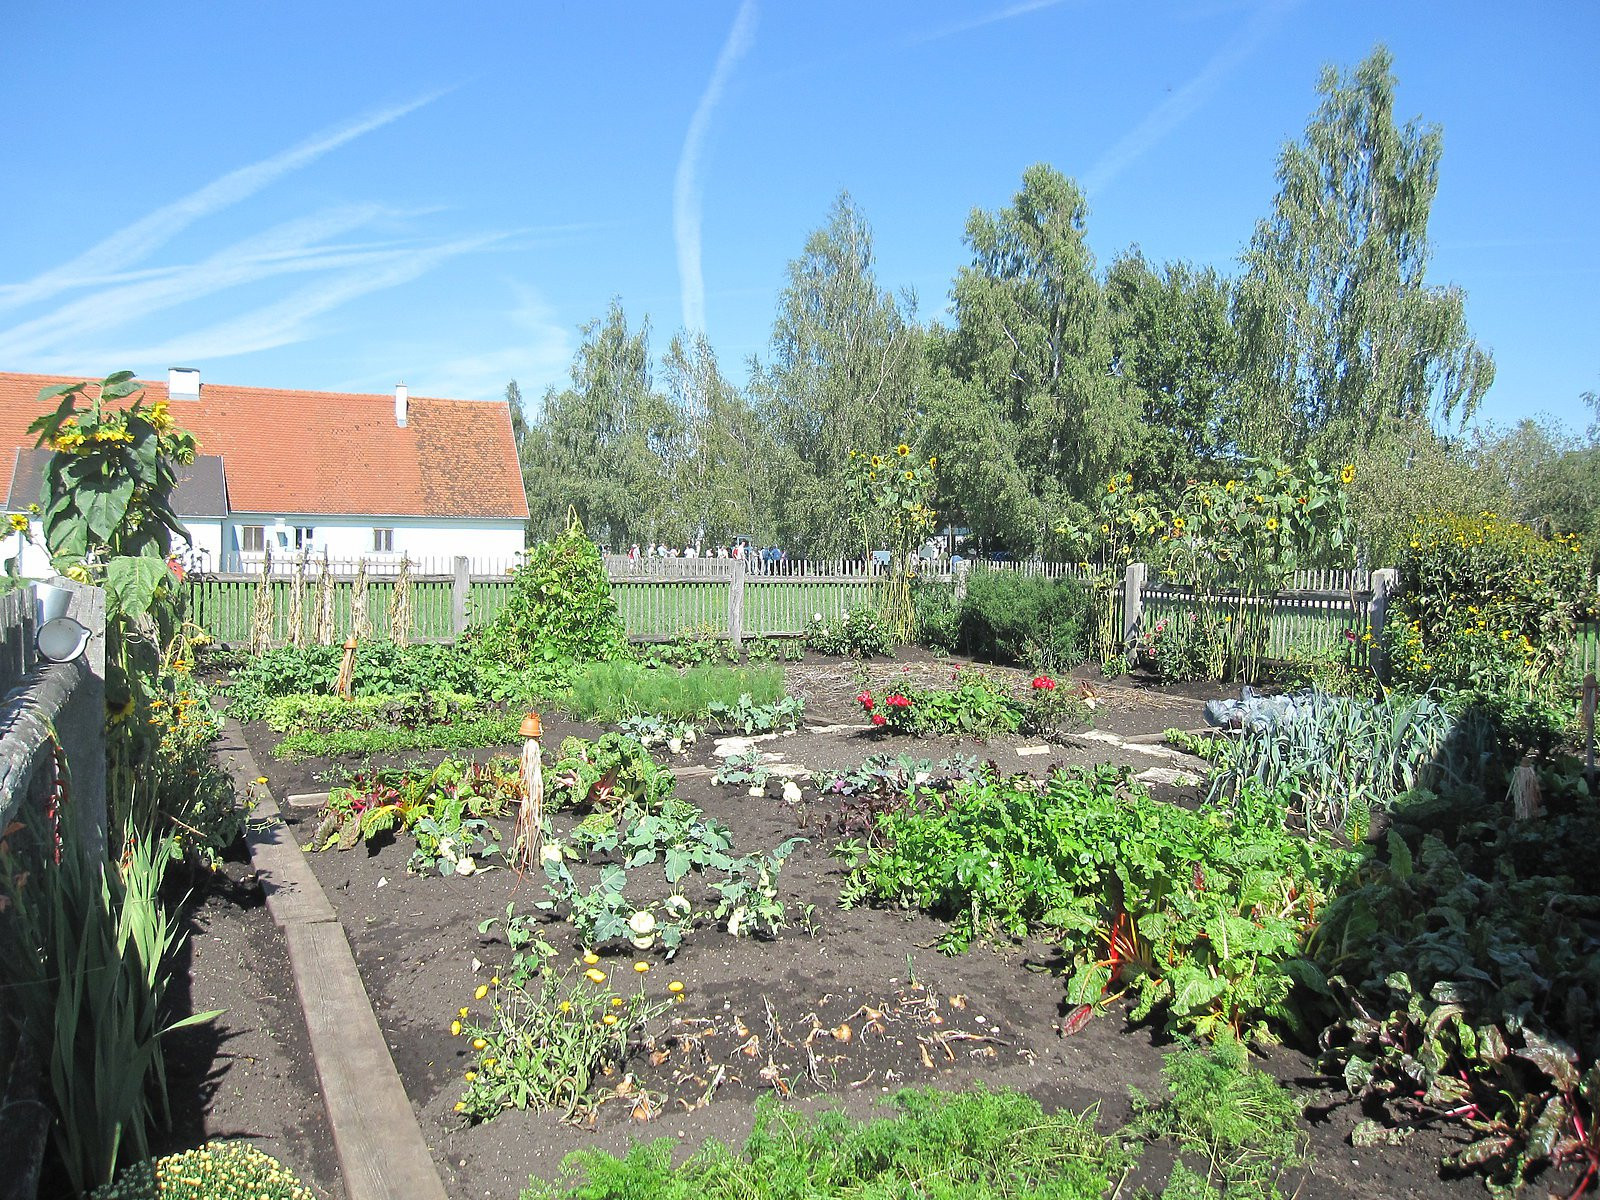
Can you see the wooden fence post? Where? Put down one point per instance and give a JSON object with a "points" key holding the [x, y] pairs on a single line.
{"points": [[1383, 582], [960, 572], [459, 588], [736, 604], [1133, 600]]}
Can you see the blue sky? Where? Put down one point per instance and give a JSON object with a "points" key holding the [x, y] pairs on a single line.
{"points": [[340, 196]]}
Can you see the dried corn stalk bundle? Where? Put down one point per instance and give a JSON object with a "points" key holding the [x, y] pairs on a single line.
{"points": [[400, 605], [261, 612]]}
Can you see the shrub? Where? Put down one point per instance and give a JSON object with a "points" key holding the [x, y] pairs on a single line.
{"points": [[1487, 609], [560, 609], [1014, 618], [609, 691], [859, 634], [1186, 645], [215, 1171], [938, 614]]}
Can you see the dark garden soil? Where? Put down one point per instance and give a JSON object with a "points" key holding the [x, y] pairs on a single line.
{"points": [[843, 1008], [247, 1075]]}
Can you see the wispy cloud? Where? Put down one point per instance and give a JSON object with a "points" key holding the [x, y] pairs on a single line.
{"points": [[1183, 102], [686, 188], [135, 242], [293, 318], [992, 18], [290, 248]]}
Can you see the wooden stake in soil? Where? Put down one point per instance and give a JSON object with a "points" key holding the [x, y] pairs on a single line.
{"points": [[530, 817], [347, 668], [324, 613]]}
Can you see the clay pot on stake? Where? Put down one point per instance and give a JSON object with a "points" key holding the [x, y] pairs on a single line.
{"points": [[347, 668], [530, 817]]}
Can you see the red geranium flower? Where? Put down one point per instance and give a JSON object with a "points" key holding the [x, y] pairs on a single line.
{"points": [[879, 719], [1043, 683], [897, 701], [865, 700]]}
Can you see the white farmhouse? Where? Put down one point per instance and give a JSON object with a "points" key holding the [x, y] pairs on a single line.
{"points": [[356, 476]]}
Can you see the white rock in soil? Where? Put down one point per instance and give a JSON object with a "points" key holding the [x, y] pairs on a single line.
{"points": [[1168, 776]]}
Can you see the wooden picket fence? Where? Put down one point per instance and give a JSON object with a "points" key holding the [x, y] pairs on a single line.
{"points": [[1321, 612]]}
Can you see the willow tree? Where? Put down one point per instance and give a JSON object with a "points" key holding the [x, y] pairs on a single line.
{"points": [[1345, 342], [1029, 412]]}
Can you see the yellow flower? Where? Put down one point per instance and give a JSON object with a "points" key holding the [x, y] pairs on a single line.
{"points": [[616, 1002], [595, 975], [483, 990], [910, 475], [479, 1044], [590, 957], [877, 461], [934, 461], [641, 967], [609, 1019], [455, 1028], [461, 1106], [463, 1012], [1111, 487], [566, 1006], [1231, 485], [488, 1063], [1272, 524], [262, 780], [675, 986], [470, 1076], [19, 522], [495, 979], [1347, 475], [1177, 523], [902, 449]]}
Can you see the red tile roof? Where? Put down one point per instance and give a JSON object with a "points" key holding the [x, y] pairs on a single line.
{"points": [[327, 453]]}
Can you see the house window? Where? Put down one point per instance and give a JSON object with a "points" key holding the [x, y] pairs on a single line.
{"points": [[302, 537], [252, 538], [383, 540]]}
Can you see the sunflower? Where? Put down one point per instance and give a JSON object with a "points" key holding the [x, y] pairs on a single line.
{"points": [[902, 449], [1347, 474], [1272, 524]]}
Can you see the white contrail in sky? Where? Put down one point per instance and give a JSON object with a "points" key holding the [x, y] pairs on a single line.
{"points": [[1004, 14], [686, 188], [1179, 106], [132, 243]]}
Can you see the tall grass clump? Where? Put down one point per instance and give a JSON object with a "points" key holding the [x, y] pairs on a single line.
{"points": [[999, 1145], [610, 691], [89, 946]]}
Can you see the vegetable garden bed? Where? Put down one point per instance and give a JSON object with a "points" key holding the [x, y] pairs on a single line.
{"points": [[843, 1007]]}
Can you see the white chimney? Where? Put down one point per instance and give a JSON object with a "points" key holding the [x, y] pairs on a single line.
{"points": [[402, 399], [183, 383]]}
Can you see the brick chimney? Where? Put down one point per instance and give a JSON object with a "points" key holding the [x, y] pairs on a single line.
{"points": [[183, 383], [402, 400]]}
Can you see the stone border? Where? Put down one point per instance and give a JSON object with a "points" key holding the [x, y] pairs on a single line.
{"points": [[382, 1153]]}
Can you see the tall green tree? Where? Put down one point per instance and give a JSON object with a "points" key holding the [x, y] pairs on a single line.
{"points": [[721, 477], [597, 445], [1028, 408], [1345, 342], [845, 373], [1173, 341]]}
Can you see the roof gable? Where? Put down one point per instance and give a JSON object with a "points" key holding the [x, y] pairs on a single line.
{"points": [[327, 453]]}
